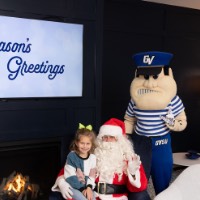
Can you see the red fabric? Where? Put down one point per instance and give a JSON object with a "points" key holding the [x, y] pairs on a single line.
{"points": [[61, 172], [143, 180], [125, 181], [116, 122]]}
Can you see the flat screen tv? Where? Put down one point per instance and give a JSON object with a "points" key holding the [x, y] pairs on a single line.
{"points": [[40, 58]]}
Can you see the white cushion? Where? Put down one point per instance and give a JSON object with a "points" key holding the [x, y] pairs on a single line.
{"points": [[185, 187]]}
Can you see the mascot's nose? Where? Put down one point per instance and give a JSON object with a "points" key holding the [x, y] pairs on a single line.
{"points": [[150, 82]]}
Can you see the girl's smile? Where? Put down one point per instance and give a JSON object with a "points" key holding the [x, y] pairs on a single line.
{"points": [[84, 145]]}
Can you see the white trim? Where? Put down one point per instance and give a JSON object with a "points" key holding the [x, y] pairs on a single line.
{"points": [[110, 197], [110, 130]]}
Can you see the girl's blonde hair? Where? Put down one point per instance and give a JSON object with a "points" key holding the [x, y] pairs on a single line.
{"points": [[83, 132]]}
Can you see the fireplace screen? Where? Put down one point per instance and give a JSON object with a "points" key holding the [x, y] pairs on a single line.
{"points": [[28, 169]]}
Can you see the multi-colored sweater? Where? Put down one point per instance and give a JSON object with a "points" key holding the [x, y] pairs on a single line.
{"points": [[80, 172]]}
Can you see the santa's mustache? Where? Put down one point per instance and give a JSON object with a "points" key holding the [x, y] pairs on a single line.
{"points": [[110, 159], [108, 145]]}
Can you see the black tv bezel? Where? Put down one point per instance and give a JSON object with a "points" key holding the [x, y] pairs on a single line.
{"points": [[52, 18]]}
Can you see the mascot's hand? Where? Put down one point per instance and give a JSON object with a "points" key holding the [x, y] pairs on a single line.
{"points": [[65, 189], [179, 123], [134, 164], [169, 118]]}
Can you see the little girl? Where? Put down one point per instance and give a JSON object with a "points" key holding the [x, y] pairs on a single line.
{"points": [[80, 167]]}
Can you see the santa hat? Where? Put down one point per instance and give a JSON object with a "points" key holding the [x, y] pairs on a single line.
{"points": [[113, 127]]}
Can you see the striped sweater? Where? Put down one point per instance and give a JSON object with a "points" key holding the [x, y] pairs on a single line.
{"points": [[149, 122]]}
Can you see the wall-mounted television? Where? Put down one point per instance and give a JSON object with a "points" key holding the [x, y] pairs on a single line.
{"points": [[40, 58]]}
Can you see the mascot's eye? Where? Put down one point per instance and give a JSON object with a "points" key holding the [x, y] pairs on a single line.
{"points": [[146, 77], [155, 76]]}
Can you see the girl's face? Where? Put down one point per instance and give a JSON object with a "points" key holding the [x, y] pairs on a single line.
{"points": [[84, 145]]}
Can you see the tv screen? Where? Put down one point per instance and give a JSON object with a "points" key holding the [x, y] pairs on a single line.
{"points": [[40, 58]]}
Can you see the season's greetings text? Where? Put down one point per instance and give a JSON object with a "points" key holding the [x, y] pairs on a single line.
{"points": [[17, 66]]}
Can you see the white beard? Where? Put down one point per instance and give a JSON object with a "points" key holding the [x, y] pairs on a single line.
{"points": [[111, 158]]}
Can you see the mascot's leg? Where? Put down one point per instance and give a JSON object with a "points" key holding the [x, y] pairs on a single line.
{"points": [[139, 195], [143, 147], [162, 162], [56, 196]]}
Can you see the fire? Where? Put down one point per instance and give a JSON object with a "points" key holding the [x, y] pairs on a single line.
{"points": [[18, 187], [17, 184]]}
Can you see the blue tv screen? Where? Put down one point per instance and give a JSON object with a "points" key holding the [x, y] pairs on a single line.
{"points": [[40, 58]]}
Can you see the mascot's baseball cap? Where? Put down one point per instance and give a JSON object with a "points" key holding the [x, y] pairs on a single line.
{"points": [[151, 62], [113, 127]]}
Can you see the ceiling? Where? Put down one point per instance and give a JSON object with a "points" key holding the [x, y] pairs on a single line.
{"points": [[194, 4]]}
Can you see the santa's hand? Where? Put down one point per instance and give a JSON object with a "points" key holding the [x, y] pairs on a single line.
{"points": [[169, 118], [65, 189], [134, 164]]}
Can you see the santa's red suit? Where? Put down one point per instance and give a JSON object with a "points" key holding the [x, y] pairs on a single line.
{"points": [[117, 164], [119, 169], [60, 178], [131, 183]]}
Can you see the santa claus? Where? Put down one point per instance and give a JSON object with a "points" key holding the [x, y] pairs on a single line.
{"points": [[119, 170]]}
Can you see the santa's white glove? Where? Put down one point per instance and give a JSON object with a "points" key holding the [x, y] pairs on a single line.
{"points": [[169, 118], [65, 189], [134, 164]]}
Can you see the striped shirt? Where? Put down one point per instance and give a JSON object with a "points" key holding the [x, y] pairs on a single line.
{"points": [[149, 122]]}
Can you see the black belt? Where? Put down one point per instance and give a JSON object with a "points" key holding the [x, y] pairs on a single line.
{"points": [[105, 188]]}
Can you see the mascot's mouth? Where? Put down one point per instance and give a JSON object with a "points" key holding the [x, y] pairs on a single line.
{"points": [[146, 91]]}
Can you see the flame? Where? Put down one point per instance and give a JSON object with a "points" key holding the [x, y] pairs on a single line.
{"points": [[17, 184]]}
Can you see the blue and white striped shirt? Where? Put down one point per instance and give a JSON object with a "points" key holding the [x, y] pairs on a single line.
{"points": [[149, 122]]}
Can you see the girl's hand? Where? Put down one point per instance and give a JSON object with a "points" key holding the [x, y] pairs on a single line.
{"points": [[88, 193]]}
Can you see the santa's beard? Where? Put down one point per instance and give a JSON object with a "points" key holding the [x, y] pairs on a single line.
{"points": [[112, 158]]}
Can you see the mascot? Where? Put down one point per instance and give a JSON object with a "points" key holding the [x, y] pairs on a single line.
{"points": [[153, 112]]}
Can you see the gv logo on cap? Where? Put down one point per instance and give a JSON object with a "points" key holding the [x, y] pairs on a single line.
{"points": [[147, 59]]}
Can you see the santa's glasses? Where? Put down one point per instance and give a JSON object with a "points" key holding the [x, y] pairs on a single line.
{"points": [[109, 138]]}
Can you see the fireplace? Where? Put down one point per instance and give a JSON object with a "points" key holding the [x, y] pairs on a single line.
{"points": [[38, 159]]}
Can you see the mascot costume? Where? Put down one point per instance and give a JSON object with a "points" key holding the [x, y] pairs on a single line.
{"points": [[153, 112]]}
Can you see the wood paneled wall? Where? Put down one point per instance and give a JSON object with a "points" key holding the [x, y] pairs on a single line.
{"points": [[134, 26], [33, 119]]}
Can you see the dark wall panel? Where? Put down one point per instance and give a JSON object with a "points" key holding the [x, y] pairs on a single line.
{"points": [[181, 21], [30, 119], [64, 8], [25, 120], [134, 26], [118, 69], [131, 16]]}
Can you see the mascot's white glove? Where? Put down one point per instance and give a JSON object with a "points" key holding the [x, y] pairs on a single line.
{"points": [[134, 164], [65, 189], [169, 118]]}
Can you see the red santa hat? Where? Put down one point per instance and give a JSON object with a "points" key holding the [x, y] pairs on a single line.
{"points": [[113, 127]]}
